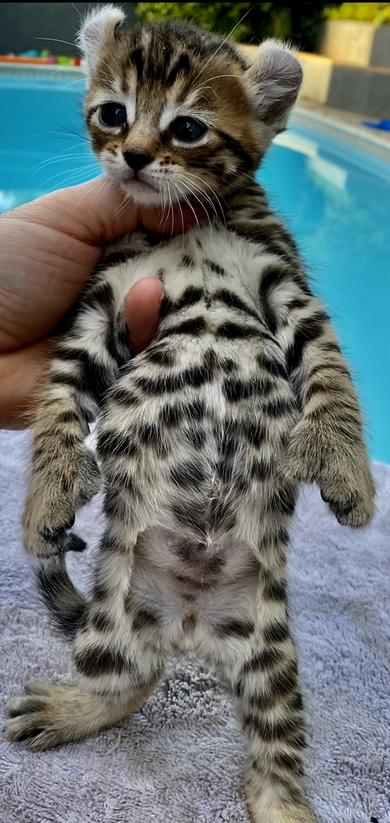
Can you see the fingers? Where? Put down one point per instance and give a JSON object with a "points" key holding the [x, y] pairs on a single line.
{"points": [[95, 212], [142, 311], [21, 375]]}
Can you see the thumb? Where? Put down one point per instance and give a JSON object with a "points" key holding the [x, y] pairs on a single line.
{"points": [[142, 311]]}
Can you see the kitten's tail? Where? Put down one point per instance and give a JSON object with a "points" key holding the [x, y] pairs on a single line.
{"points": [[67, 607]]}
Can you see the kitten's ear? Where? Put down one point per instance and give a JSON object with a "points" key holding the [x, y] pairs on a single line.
{"points": [[273, 82], [99, 25]]}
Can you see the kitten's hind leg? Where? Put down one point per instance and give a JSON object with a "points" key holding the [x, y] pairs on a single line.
{"points": [[259, 662], [117, 668], [50, 715]]}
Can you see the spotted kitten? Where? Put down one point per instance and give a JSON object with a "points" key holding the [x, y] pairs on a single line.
{"points": [[202, 438]]}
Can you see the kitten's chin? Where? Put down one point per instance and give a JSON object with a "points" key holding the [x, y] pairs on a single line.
{"points": [[142, 193]]}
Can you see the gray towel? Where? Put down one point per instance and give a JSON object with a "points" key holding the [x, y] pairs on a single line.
{"points": [[180, 759]]}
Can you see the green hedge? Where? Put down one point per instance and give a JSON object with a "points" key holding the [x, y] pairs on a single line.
{"points": [[377, 13], [253, 22]]}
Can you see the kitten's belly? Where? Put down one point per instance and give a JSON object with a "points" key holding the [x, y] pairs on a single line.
{"points": [[192, 588]]}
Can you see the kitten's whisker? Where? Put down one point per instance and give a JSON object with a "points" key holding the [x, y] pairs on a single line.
{"points": [[183, 194], [199, 188], [71, 174], [101, 183], [170, 210], [77, 11], [57, 40], [213, 192], [122, 207], [223, 42], [53, 160], [181, 211], [217, 77], [193, 194], [202, 194]]}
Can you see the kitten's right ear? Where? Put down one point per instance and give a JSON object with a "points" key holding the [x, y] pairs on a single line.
{"points": [[99, 25], [273, 81]]}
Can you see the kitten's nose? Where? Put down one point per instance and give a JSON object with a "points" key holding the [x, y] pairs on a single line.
{"points": [[136, 160]]}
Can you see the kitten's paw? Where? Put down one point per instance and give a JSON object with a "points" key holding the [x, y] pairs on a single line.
{"points": [[350, 496], [32, 718], [318, 454], [288, 813], [263, 810], [55, 494]]}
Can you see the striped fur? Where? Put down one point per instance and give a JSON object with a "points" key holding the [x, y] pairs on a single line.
{"points": [[202, 441]]}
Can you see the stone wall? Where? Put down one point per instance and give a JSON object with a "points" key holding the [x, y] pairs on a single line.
{"points": [[362, 44]]}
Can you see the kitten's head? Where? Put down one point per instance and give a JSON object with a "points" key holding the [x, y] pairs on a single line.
{"points": [[176, 113]]}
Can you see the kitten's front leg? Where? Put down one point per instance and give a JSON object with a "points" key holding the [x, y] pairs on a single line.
{"points": [[327, 445], [324, 449], [64, 472]]}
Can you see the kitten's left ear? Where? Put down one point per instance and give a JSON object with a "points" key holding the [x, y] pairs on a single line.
{"points": [[98, 27], [273, 82]]}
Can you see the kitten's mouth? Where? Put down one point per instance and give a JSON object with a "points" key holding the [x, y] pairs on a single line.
{"points": [[137, 181]]}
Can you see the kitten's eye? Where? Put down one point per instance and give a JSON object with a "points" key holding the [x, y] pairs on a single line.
{"points": [[187, 129], [113, 114]]}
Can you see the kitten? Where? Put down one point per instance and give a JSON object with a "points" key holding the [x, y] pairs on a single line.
{"points": [[204, 437]]}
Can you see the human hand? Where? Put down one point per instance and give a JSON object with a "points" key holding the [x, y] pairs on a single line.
{"points": [[48, 249]]}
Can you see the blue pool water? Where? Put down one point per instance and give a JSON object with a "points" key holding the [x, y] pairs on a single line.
{"points": [[335, 199]]}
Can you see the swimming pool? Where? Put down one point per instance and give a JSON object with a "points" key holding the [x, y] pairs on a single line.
{"points": [[334, 197]]}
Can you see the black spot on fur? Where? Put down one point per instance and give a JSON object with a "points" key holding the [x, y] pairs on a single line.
{"points": [[66, 606], [196, 437], [276, 632], [68, 417], [235, 331], [160, 357], [214, 267], [124, 397], [190, 296], [261, 470], [274, 367], [194, 327], [143, 619], [114, 258], [195, 376], [262, 661], [290, 761], [235, 389], [100, 660], [235, 628], [137, 59], [233, 301], [282, 729], [102, 622], [246, 162], [306, 332], [183, 64], [277, 407], [274, 590], [150, 435], [171, 415], [188, 475], [112, 442]]}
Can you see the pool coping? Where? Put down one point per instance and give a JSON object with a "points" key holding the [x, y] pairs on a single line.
{"points": [[328, 121], [331, 123]]}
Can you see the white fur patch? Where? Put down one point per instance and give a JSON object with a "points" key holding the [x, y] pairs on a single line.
{"points": [[98, 25]]}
